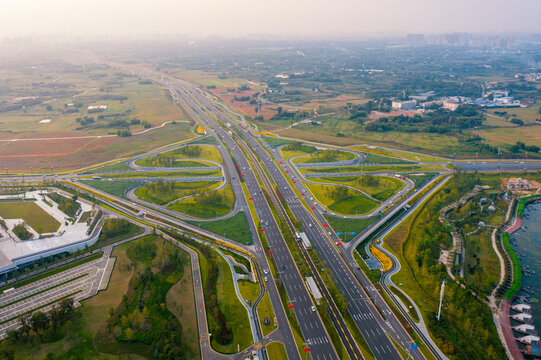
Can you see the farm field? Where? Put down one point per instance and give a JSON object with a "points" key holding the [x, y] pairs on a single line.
{"points": [[338, 130], [63, 113], [63, 153], [31, 214]]}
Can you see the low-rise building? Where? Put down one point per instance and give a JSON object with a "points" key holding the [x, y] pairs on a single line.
{"points": [[71, 236], [450, 104], [404, 105], [518, 184]]}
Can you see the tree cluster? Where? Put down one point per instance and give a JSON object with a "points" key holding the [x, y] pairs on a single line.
{"points": [[520, 146], [47, 326], [191, 151], [22, 232], [66, 205]]}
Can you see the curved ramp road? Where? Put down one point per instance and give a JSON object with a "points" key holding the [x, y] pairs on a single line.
{"points": [[310, 323], [364, 315]]}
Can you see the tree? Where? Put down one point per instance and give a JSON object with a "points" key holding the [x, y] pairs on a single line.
{"points": [[39, 321]]}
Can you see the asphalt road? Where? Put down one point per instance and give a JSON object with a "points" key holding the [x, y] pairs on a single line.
{"points": [[366, 317], [503, 165], [310, 323], [364, 314]]}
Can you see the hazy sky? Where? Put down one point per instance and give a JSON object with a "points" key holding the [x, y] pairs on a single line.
{"points": [[277, 17]]}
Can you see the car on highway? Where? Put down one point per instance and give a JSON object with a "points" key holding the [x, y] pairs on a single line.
{"points": [[313, 308], [266, 279]]}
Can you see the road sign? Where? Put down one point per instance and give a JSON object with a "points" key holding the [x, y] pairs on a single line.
{"points": [[353, 233], [325, 225], [251, 198], [294, 182], [270, 251], [313, 207], [338, 233], [261, 230], [414, 347], [291, 306], [306, 349]]}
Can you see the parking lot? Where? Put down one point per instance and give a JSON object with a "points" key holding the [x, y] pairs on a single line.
{"points": [[80, 282]]}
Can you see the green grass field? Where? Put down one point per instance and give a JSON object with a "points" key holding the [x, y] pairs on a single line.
{"points": [[31, 214], [206, 153], [180, 301], [233, 311], [350, 204], [234, 228], [376, 168], [420, 179], [276, 351], [117, 188], [275, 141], [206, 206], [154, 194], [119, 166], [134, 175], [326, 156], [249, 290], [380, 159], [379, 187], [348, 226], [264, 310], [288, 154], [419, 157]]}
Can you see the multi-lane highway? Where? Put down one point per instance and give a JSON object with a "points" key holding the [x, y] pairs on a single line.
{"points": [[375, 324], [366, 317], [310, 323]]}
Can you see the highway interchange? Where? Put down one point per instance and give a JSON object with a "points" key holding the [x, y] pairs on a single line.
{"points": [[249, 160]]}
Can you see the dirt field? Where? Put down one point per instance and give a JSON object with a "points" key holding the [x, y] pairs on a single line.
{"points": [[61, 154], [267, 111]]}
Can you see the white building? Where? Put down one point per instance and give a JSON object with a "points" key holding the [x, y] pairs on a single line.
{"points": [[71, 236], [404, 105], [450, 104]]}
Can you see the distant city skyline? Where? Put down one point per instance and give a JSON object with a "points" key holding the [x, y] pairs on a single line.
{"points": [[237, 18]]}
